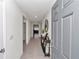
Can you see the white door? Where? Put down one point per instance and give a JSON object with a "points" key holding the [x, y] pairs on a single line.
{"points": [[1, 31], [56, 29], [62, 29], [67, 18]]}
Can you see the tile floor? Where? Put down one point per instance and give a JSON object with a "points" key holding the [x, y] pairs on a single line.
{"points": [[33, 50]]}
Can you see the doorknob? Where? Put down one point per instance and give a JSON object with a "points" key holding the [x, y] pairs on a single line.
{"points": [[2, 50]]}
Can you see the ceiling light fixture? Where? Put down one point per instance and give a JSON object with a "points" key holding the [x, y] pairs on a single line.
{"points": [[36, 16]]}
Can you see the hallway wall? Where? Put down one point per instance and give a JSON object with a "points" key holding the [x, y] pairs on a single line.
{"points": [[27, 31], [14, 30], [26, 28], [48, 17]]}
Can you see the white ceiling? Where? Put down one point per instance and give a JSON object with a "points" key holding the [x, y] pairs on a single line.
{"points": [[1, 0], [35, 10]]}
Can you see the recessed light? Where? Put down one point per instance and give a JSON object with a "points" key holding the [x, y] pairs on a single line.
{"points": [[36, 16]]}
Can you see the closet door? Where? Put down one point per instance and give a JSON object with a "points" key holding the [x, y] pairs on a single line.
{"points": [[55, 39], [67, 18], [62, 29], [66, 3], [54, 44], [56, 29], [67, 37], [75, 31]]}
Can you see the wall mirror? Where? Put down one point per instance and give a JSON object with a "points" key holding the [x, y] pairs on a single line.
{"points": [[46, 25]]}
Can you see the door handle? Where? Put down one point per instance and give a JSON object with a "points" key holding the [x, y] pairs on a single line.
{"points": [[2, 50]]}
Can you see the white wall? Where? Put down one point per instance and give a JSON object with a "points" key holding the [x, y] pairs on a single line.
{"points": [[1, 29], [49, 26], [48, 17], [1, 25], [14, 30], [27, 31]]}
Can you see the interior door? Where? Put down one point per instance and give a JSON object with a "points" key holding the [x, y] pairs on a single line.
{"points": [[24, 31], [56, 30], [1, 31], [67, 19], [62, 29]]}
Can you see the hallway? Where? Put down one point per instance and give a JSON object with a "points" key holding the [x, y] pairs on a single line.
{"points": [[56, 22], [33, 50]]}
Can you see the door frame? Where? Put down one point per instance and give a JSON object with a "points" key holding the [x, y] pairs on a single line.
{"points": [[38, 30], [4, 30]]}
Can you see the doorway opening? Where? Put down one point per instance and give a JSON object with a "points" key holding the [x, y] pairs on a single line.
{"points": [[35, 30], [24, 35]]}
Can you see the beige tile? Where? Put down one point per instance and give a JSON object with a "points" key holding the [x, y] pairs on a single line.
{"points": [[33, 50]]}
